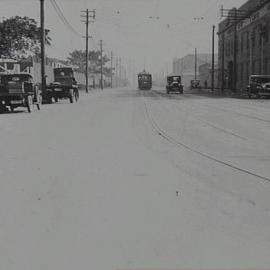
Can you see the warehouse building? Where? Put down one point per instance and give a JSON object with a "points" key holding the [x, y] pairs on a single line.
{"points": [[244, 45]]}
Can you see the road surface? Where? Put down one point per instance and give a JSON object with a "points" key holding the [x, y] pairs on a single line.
{"points": [[127, 179]]}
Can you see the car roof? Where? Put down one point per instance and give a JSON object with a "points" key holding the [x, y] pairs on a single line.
{"points": [[63, 68], [17, 74], [260, 76], [144, 73]]}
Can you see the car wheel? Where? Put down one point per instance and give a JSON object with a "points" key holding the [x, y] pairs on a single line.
{"points": [[71, 95], [39, 101], [29, 103], [76, 95]]}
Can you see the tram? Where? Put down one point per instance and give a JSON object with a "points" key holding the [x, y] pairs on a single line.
{"points": [[144, 81]]}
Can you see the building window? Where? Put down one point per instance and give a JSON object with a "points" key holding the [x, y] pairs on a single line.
{"points": [[247, 41], [232, 47], [10, 66], [266, 31], [253, 68], [265, 66], [242, 43], [253, 37], [228, 48], [247, 71], [241, 72]]}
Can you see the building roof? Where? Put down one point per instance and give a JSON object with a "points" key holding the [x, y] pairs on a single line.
{"points": [[249, 6]]}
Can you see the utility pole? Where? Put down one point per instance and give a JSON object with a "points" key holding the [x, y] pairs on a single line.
{"points": [[182, 67], [262, 55], [120, 71], [263, 34], [42, 42], [223, 64], [195, 63], [111, 69], [87, 16], [87, 50], [213, 58], [235, 52], [101, 64], [116, 72]]}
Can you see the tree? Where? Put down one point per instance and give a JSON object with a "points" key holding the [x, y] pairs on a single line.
{"points": [[20, 37], [77, 58]]}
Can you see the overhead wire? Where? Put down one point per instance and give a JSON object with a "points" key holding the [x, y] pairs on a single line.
{"points": [[67, 24], [63, 18]]}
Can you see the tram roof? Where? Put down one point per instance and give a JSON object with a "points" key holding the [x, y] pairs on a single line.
{"points": [[144, 73]]}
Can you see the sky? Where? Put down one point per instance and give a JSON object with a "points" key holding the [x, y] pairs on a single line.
{"points": [[144, 33]]}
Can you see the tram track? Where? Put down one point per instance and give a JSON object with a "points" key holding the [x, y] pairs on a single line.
{"points": [[229, 132], [219, 108], [225, 131], [245, 115], [180, 144]]}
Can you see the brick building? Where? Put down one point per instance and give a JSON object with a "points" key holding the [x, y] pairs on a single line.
{"points": [[244, 45]]}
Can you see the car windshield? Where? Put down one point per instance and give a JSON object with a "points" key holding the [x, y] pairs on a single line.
{"points": [[174, 79], [144, 77], [63, 72], [260, 79]]}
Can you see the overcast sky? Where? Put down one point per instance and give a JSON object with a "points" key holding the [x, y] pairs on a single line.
{"points": [[126, 28]]}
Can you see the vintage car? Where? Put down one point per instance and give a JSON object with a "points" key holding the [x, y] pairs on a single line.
{"points": [[64, 86], [174, 84], [259, 85], [19, 90], [195, 84]]}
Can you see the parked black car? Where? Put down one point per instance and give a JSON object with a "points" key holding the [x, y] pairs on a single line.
{"points": [[259, 85], [174, 84], [19, 90], [64, 86]]}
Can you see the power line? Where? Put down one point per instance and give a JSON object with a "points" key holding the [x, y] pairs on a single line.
{"points": [[63, 18]]}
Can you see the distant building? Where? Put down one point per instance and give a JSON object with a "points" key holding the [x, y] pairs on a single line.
{"points": [[244, 47], [205, 75], [185, 66]]}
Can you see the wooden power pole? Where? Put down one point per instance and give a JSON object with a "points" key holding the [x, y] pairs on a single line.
{"points": [[196, 59], [42, 42], [213, 59], [88, 14], [101, 64], [111, 69]]}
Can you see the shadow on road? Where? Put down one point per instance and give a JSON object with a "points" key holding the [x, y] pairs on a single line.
{"points": [[13, 112]]}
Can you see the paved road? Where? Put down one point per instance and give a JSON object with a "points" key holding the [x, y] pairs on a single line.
{"points": [[134, 180]]}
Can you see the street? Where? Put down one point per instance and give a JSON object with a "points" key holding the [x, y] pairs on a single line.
{"points": [[129, 179]]}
